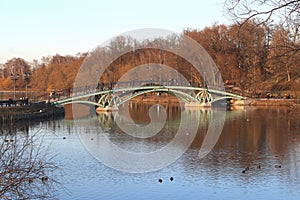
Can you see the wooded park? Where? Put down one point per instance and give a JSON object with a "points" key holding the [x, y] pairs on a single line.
{"points": [[254, 54]]}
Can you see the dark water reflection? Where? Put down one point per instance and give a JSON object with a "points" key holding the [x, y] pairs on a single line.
{"points": [[265, 141]]}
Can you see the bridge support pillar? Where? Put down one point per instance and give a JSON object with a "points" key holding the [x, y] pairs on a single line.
{"points": [[107, 102]]}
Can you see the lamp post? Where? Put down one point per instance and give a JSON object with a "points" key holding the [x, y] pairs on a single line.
{"points": [[109, 76], [204, 80], [27, 79], [160, 77], [14, 78], [191, 76]]}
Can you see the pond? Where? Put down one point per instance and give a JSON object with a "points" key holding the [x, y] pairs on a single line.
{"points": [[255, 156]]}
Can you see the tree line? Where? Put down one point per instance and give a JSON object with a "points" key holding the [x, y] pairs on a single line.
{"points": [[254, 56]]}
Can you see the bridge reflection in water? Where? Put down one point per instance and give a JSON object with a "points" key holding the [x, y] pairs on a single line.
{"points": [[107, 124], [249, 131], [139, 114]]}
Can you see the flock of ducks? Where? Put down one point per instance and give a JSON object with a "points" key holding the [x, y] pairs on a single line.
{"points": [[258, 167], [244, 171]]}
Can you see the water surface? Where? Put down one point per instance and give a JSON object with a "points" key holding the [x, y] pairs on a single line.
{"points": [[261, 139]]}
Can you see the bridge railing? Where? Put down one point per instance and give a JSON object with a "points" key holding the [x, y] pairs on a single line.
{"points": [[133, 83]]}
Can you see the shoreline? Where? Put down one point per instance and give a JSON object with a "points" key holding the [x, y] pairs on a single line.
{"points": [[246, 102], [271, 102], [41, 110]]}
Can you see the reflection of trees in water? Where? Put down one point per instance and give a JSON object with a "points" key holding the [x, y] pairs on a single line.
{"points": [[139, 114], [248, 135], [250, 138], [139, 111], [13, 128], [261, 130], [250, 131], [59, 125], [265, 130]]}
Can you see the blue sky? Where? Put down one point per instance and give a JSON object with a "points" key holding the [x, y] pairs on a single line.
{"points": [[32, 29]]}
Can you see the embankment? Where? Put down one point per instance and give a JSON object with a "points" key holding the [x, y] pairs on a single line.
{"points": [[269, 102], [41, 110]]}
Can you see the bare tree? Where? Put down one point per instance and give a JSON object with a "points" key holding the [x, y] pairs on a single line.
{"points": [[26, 172], [284, 14], [284, 11]]}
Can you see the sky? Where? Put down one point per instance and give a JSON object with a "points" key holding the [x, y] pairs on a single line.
{"points": [[32, 29]]}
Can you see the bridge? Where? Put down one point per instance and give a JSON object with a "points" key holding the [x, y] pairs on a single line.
{"points": [[109, 96]]}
